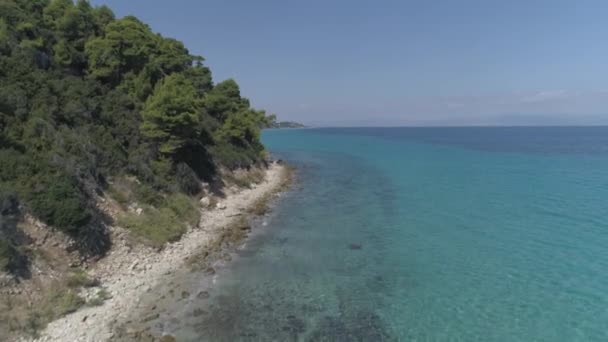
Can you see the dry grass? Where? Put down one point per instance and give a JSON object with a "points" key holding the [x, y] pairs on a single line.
{"points": [[80, 278], [20, 314], [158, 226], [244, 178]]}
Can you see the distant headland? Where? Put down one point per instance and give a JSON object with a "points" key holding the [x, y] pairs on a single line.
{"points": [[287, 124], [271, 122]]}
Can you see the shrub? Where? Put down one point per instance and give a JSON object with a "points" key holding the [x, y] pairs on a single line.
{"points": [[9, 204], [101, 296], [80, 278], [146, 194], [118, 195], [187, 180], [58, 201], [7, 255], [234, 157]]}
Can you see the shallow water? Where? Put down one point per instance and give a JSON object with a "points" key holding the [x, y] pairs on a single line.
{"points": [[461, 234]]}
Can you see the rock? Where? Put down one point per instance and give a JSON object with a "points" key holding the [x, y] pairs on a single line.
{"points": [[205, 202], [167, 338], [220, 206], [203, 295], [139, 211], [294, 325], [133, 331], [134, 265], [355, 246], [198, 312], [150, 318]]}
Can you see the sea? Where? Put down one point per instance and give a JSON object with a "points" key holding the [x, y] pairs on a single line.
{"points": [[423, 234]]}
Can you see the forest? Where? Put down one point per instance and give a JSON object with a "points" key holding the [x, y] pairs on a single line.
{"points": [[86, 98]]}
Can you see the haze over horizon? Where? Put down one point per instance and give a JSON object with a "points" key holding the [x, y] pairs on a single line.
{"points": [[355, 63]]}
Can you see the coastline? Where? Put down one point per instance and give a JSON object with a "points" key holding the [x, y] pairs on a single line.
{"points": [[130, 272]]}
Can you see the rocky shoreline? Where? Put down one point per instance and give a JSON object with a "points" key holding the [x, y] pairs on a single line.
{"points": [[130, 272]]}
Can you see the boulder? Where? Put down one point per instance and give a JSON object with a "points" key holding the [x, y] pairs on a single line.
{"points": [[205, 202], [355, 246]]}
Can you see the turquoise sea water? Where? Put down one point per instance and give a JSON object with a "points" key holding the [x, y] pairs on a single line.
{"points": [[425, 234]]}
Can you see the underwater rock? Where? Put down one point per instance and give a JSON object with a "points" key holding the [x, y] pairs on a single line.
{"points": [[294, 325], [198, 312], [355, 246], [203, 295], [360, 326]]}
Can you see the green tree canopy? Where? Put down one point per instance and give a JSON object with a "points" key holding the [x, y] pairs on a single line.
{"points": [[126, 47], [171, 114], [224, 99]]}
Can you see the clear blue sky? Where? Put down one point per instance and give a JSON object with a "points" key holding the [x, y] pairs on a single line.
{"points": [[352, 62]]}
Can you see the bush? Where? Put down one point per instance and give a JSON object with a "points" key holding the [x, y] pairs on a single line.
{"points": [[146, 194], [14, 165], [187, 180], [58, 201], [7, 255], [101, 296], [234, 157], [118, 195], [9, 204], [80, 278]]}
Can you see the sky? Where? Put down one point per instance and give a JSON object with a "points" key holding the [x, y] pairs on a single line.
{"points": [[400, 63]]}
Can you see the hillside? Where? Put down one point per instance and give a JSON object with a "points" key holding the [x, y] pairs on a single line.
{"points": [[99, 111]]}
